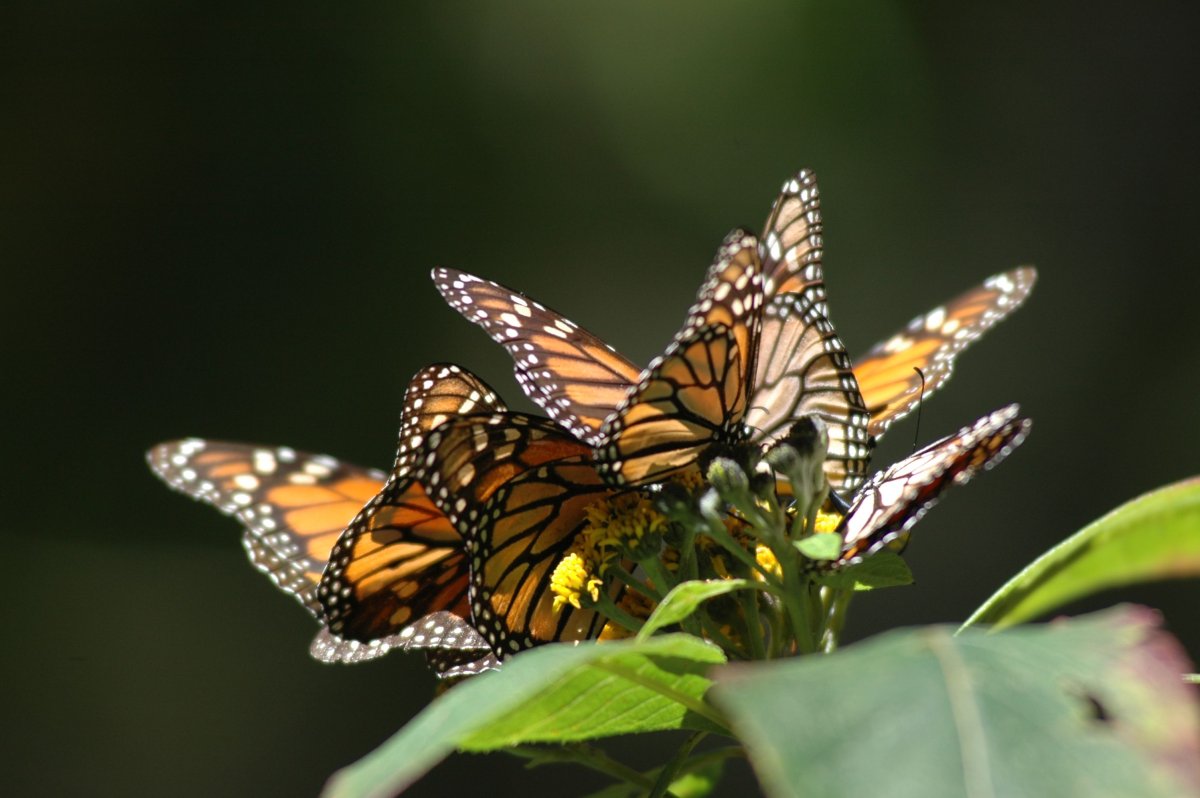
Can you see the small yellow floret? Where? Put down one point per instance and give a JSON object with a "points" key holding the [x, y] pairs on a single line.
{"points": [[766, 558], [621, 521], [571, 579], [826, 522]]}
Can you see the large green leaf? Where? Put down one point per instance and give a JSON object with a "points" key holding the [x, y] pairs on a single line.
{"points": [[1155, 536], [551, 694], [1093, 707]]}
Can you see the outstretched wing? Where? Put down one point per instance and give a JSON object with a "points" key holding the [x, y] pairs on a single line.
{"points": [[401, 558], [292, 504], [576, 378], [893, 500], [792, 243], [697, 392], [886, 374]]}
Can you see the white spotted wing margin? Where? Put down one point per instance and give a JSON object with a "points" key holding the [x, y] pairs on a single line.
{"points": [[451, 646], [696, 394], [571, 374], [792, 242], [291, 504], [887, 374], [892, 501]]}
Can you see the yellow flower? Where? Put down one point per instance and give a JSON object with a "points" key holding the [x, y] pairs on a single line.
{"points": [[572, 578], [826, 522], [614, 525], [766, 558], [621, 523]]}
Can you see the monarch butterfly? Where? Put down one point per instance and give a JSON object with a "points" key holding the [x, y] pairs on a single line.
{"points": [[714, 380], [517, 488], [802, 367], [887, 506], [294, 507]]}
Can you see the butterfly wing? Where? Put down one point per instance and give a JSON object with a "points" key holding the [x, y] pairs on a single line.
{"points": [[893, 500], [292, 504], [803, 370], [451, 646], [400, 558], [697, 392], [434, 394], [792, 243], [576, 378], [518, 487], [931, 342]]}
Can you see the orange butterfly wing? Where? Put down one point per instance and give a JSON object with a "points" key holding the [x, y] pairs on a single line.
{"points": [[803, 370], [575, 377], [792, 242], [292, 504], [518, 487], [400, 558], [697, 392], [932, 342]]}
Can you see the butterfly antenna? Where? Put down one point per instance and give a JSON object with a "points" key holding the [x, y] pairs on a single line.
{"points": [[920, 403]]}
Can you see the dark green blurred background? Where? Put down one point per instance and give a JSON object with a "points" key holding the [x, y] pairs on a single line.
{"points": [[218, 220]]}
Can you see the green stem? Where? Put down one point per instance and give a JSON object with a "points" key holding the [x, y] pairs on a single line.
{"points": [[699, 761], [663, 582], [713, 632], [608, 608], [687, 553], [667, 774], [658, 575], [636, 584], [796, 597], [754, 636], [716, 530], [835, 619]]}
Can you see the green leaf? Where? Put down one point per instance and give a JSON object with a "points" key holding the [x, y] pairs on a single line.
{"points": [[558, 693], [685, 597], [1155, 536], [882, 569], [1093, 707], [820, 547]]}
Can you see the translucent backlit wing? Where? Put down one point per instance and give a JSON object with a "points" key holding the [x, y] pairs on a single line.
{"points": [[931, 342], [400, 558], [803, 370], [792, 243], [888, 505], [576, 378], [697, 392], [292, 504]]}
